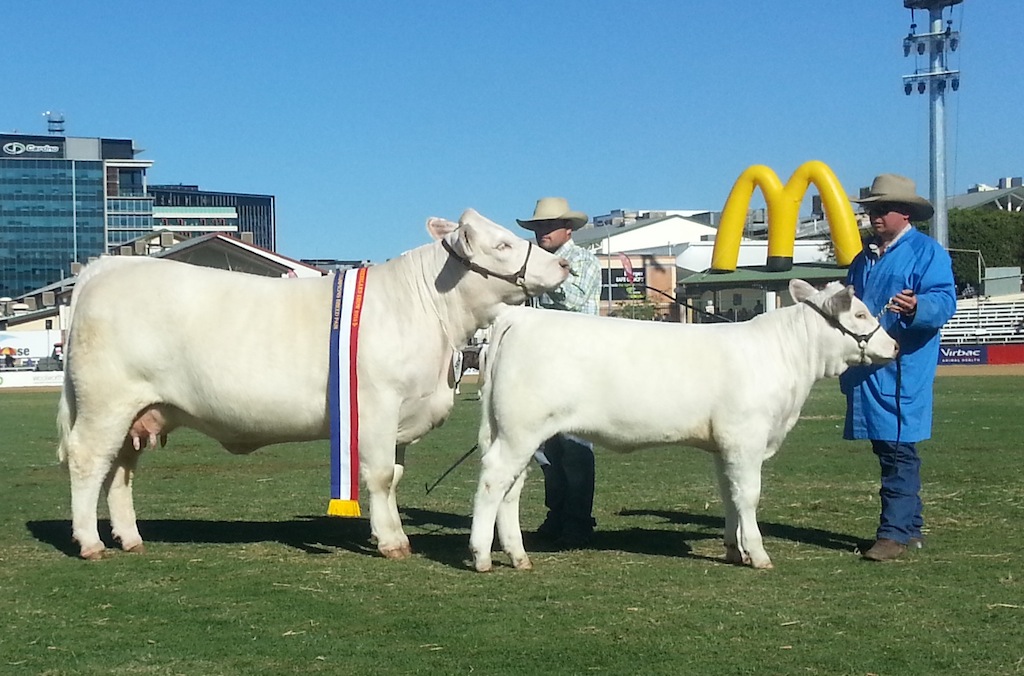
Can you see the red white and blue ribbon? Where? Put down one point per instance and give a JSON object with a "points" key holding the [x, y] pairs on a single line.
{"points": [[343, 392]]}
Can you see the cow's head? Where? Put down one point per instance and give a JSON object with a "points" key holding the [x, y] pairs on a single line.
{"points": [[864, 341], [481, 247]]}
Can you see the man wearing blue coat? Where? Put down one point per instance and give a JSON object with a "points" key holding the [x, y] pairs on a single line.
{"points": [[907, 277]]}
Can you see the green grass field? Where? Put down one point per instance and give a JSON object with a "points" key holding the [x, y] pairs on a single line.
{"points": [[243, 575]]}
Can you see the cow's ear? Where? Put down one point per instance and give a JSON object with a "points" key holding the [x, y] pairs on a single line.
{"points": [[467, 236], [439, 227], [800, 290]]}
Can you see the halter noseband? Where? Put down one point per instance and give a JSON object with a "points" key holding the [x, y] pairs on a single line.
{"points": [[518, 278]]}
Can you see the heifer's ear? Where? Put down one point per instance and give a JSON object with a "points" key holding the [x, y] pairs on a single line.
{"points": [[439, 227], [801, 290], [840, 301]]}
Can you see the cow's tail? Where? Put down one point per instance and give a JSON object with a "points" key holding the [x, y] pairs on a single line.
{"points": [[65, 417], [487, 422]]}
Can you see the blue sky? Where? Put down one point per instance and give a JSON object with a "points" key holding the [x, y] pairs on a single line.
{"points": [[365, 118]]}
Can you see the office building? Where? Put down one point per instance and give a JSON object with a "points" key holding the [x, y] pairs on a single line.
{"points": [[64, 200], [187, 209]]}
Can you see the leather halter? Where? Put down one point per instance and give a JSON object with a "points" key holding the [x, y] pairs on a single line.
{"points": [[518, 278], [861, 338]]}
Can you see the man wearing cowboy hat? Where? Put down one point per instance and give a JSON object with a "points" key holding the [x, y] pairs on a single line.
{"points": [[906, 277], [567, 461]]}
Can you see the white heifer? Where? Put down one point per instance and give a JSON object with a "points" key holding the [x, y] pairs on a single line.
{"points": [[156, 344], [733, 389]]}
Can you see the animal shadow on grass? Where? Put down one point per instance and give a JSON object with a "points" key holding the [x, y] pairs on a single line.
{"points": [[311, 534], [443, 537], [809, 536], [446, 539]]}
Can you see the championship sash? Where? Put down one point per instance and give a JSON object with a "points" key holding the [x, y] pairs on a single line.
{"points": [[343, 392]]}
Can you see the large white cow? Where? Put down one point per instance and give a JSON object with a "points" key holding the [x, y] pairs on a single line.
{"points": [[733, 389], [156, 344]]}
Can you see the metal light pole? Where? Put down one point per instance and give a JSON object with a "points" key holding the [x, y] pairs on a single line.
{"points": [[935, 80]]}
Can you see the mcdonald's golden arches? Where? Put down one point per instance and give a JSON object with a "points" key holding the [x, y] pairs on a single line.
{"points": [[783, 213]]}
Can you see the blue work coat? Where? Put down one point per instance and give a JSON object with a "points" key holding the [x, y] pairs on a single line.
{"points": [[914, 261]]}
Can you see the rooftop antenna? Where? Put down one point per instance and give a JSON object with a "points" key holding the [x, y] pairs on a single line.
{"points": [[937, 79], [54, 123]]}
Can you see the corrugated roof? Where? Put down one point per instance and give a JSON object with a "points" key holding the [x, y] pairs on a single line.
{"points": [[974, 200]]}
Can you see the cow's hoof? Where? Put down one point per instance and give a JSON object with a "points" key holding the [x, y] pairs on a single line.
{"points": [[523, 563], [396, 553], [133, 545], [482, 566], [734, 555], [93, 553], [762, 565]]}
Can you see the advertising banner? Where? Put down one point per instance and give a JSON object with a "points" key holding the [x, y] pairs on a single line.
{"points": [[28, 344], [963, 354], [622, 287], [11, 379], [31, 147]]}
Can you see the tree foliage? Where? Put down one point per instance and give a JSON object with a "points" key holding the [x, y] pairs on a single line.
{"points": [[998, 235]]}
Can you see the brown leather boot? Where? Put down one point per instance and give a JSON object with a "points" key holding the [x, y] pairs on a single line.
{"points": [[885, 549]]}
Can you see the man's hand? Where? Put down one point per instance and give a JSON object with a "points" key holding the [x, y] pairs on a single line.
{"points": [[903, 303]]}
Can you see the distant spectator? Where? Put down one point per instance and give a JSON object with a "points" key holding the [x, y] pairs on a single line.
{"points": [[9, 360]]}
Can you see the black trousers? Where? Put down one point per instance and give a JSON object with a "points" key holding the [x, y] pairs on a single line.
{"points": [[569, 485]]}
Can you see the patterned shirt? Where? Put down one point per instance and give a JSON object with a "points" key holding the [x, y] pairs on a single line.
{"points": [[581, 290]]}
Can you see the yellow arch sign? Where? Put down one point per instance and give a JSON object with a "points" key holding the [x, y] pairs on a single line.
{"points": [[783, 213]]}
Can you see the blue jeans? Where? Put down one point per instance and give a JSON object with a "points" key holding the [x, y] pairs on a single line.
{"points": [[901, 490]]}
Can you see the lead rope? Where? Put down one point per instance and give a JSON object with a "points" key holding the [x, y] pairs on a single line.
{"points": [[899, 387], [899, 378]]}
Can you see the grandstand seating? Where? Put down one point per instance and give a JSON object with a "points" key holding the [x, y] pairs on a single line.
{"points": [[986, 321]]}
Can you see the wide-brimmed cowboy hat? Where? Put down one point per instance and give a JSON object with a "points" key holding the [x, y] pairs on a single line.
{"points": [[554, 209], [897, 189]]}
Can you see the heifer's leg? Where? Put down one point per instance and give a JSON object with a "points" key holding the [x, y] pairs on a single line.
{"points": [[381, 474], [120, 502], [396, 478], [740, 478], [91, 449], [502, 467], [732, 547], [510, 533]]}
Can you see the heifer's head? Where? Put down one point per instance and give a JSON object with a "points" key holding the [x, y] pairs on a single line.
{"points": [[481, 247], [863, 339]]}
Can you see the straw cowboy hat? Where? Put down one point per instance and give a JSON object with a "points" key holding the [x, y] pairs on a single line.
{"points": [[898, 189], [554, 209]]}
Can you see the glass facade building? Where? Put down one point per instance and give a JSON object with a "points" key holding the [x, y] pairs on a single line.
{"points": [[64, 200], [252, 213]]}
